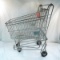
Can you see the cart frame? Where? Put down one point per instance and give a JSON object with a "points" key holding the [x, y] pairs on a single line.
{"points": [[42, 18]]}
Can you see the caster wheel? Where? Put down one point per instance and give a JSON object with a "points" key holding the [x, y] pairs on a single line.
{"points": [[18, 44], [44, 54], [38, 42], [19, 49]]}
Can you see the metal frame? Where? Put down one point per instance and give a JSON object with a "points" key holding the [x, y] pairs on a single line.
{"points": [[45, 17]]}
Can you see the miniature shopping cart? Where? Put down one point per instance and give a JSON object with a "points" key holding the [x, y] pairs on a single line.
{"points": [[29, 31]]}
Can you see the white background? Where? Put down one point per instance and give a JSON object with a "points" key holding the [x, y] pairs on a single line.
{"points": [[15, 8]]}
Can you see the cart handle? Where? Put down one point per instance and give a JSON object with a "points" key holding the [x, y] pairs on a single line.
{"points": [[50, 5]]}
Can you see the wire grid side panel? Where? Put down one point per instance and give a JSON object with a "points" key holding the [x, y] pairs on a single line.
{"points": [[25, 29]]}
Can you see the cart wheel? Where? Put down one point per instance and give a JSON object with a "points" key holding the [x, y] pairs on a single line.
{"points": [[38, 42], [44, 53], [19, 49], [18, 44]]}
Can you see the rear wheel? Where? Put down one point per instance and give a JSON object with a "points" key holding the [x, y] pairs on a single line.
{"points": [[43, 53]]}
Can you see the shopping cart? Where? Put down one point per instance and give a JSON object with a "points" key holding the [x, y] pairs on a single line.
{"points": [[29, 31]]}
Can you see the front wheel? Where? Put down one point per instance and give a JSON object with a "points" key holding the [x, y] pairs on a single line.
{"points": [[19, 49]]}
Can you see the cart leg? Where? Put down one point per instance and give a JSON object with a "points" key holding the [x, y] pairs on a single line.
{"points": [[43, 50], [38, 42], [17, 46], [14, 46], [19, 49]]}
